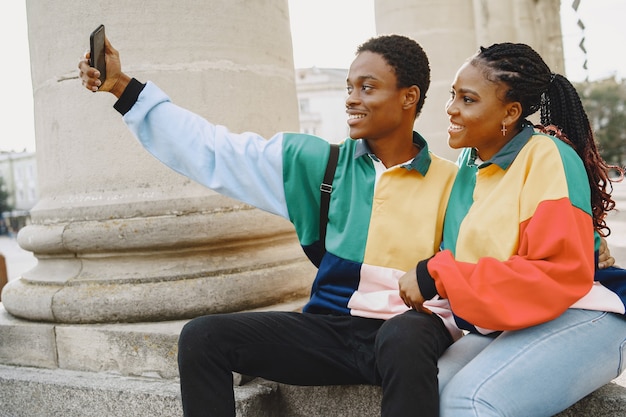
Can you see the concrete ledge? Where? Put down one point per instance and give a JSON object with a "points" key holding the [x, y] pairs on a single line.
{"points": [[364, 401], [608, 401], [130, 370], [34, 392], [139, 349], [31, 392], [130, 349], [329, 401], [26, 343]]}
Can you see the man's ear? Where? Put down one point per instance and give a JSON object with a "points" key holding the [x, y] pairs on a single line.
{"points": [[411, 96]]}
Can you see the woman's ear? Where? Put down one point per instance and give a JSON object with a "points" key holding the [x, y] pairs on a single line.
{"points": [[513, 113], [411, 97]]}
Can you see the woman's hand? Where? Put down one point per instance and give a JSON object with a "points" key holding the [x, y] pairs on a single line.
{"points": [[410, 292]]}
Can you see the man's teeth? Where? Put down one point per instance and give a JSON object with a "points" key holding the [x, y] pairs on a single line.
{"points": [[356, 116]]}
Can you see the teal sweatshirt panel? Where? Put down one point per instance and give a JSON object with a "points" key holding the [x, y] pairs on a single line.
{"points": [[304, 163]]}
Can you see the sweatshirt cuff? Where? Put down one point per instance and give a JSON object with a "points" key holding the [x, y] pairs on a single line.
{"points": [[425, 280], [129, 97]]}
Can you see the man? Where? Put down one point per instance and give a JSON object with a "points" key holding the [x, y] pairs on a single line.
{"points": [[386, 213]]}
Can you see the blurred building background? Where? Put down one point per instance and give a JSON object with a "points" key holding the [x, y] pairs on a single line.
{"points": [[321, 102], [19, 191]]}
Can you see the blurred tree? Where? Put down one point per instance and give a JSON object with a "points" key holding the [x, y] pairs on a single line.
{"points": [[4, 198], [605, 104]]}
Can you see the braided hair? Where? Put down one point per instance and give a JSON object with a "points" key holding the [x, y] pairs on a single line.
{"points": [[531, 83]]}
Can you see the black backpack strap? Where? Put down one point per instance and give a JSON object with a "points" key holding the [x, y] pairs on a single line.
{"points": [[326, 189]]}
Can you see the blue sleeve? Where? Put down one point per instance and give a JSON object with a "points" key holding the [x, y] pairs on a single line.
{"points": [[245, 166]]}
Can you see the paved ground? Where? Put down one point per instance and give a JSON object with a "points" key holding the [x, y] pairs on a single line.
{"points": [[19, 260]]}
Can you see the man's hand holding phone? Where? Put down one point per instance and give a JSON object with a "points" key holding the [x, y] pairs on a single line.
{"points": [[104, 74]]}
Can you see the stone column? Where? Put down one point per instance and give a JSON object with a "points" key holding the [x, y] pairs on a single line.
{"points": [[118, 236], [450, 31], [534, 22], [445, 29], [539, 25]]}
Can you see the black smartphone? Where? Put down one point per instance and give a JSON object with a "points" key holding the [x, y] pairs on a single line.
{"points": [[96, 54]]}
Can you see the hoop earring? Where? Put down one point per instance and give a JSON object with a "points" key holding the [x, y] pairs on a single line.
{"points": [[503, 130]]}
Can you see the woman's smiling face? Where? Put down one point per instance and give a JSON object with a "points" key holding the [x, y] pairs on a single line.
{"points": [[476, 110]]}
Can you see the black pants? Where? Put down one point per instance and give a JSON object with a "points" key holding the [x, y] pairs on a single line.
{"points": [[399, 354]]}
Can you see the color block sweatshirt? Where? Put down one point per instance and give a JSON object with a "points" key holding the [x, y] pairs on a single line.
{"points": [[381, 221], [519, 241]]}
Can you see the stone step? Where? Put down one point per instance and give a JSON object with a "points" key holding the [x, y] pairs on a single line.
{"points": [[130, 370], [129, 349], [364, 401], [35, 392]]}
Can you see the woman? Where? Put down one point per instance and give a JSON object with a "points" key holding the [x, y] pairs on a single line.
{"points": [[524, 219]]}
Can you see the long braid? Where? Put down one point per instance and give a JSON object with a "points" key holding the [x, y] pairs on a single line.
{"points": [[535, 87], [562, 107]]}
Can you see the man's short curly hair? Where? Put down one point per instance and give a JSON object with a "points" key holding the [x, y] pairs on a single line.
{"points": [[407, 58]]}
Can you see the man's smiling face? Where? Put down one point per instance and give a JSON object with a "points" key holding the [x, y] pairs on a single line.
{"points": [[375, 103]]}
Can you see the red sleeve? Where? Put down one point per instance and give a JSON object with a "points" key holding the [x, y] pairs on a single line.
{"points": [[553, 268]]}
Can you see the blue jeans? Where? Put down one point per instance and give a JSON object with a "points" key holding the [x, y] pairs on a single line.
{"points": [[538, 371]]}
